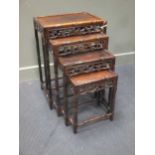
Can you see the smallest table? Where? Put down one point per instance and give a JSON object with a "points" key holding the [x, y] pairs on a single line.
{"points": [[86, 83]]}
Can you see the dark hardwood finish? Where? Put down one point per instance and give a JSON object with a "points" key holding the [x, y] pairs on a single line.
{"points": [[87, 62], [47, 86], [95, 119], [82, 44], [91, 60], [65, 25], [59, 26], [91, 82], [77, 39], [89, 78], [85, 58], [65, 20], [79, 44]]}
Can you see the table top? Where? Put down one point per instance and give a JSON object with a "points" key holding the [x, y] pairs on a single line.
{"points": [[65, 20], [85, 58], [88, 78]]}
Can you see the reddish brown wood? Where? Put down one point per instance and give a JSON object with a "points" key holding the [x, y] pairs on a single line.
{"points": [[58, 26], [95, 119], [87, 62], [92, 82], [86, 58], [79, 44], [77, 39], [65, 20], [92, 77]]}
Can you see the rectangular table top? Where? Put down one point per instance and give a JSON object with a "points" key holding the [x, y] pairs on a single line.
{"points": [[85, 58], [92, 77], [65, 20]]}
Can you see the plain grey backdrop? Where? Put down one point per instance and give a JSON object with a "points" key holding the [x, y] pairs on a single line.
{"points": [[119, 13]]}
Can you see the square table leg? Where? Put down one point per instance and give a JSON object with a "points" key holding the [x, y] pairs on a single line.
{"points": [[57, 86], [65, 106], [112, 96], [75, 110], [38, 55]]}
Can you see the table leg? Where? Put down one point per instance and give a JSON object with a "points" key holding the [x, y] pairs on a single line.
{"points": [[65, 99], [112, 95], [75, 110], [38, 56], [57, 86], [47, 71]]}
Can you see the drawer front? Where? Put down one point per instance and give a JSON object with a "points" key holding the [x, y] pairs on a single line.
{"points": [[90, 67], [74, 31]]}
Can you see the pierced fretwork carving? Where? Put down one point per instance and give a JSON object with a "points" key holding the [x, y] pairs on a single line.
{"points": [[93, 87], [89, 67], [80, 48], [72, 31]]}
